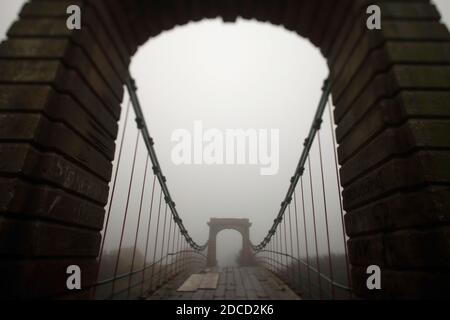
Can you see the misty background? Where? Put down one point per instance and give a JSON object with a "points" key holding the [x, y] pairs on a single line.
{"points": [[244, 75]]}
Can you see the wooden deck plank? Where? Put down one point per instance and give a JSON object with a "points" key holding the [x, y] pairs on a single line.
{"points": [[230, 278], [222, 277], [210, 281], [245, 279], [198, 295], [208, 294], [191, 284], [280, 290], [256, 284], [240, 283], [219, 294]]}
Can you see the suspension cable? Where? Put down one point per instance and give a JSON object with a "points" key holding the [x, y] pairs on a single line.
{"points": [[305, 234], [338, 182], [116, 267], [330, 263], [316, 243], [273, 241], [148, 233], [317, 122], [156, 238], [119, 158], [138, 225], [149, 142]]}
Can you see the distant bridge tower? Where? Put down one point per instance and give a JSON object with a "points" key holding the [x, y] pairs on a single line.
{"points": [[240, 225]]}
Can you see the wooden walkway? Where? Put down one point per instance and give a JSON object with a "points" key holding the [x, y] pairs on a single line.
{"points": [[240, 283]]}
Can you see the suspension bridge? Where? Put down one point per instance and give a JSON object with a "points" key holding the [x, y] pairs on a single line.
{"points": [[283, 256], [73, 194]]}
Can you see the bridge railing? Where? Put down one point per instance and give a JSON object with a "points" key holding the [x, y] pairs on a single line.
{"points": [[144, 241], [306, 245]]}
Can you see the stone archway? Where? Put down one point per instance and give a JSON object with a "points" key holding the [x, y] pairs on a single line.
{"points": [[60, 94], [240, 225]]}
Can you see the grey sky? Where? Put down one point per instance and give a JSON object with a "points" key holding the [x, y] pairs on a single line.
{"points": [[243, 75]]}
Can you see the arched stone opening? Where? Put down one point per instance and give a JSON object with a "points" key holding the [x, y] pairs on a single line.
{"points": [[229, 248], [240, 225], [60, 94]]}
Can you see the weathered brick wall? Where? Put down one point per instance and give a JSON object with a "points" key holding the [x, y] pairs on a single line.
{"points": [[392, 97], [60, 94]]}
